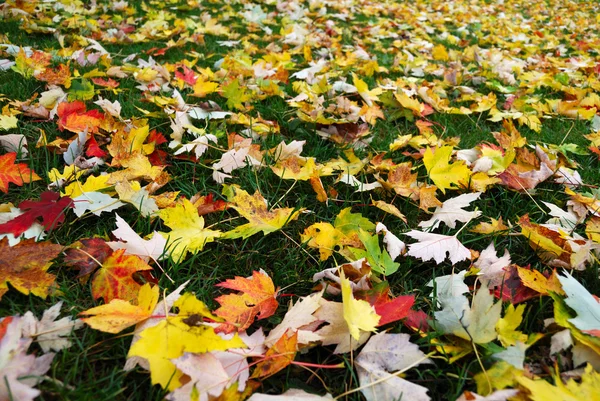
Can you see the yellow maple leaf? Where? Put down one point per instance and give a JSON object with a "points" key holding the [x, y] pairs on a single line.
{"points": [[344, 231], [369, 96], [187, 230], [506, 327], [136, 166], [118, 315], [323, 236], [358, 314], [498, 377], [203, 87], [174, 335], [442, 173], [91, 184], [410, 103], [8, 122], [440, 53], [123, 144], [254, 209], [494, 226], [587, 390], [70, 173], [592, 229]]}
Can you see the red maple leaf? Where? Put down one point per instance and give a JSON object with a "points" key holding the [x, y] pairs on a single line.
{"points": [[50, 209], [93, 149], [188, 76], [107, 83], [512, 288], [389, 309]]}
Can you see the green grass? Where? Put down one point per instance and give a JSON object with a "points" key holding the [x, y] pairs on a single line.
{"points": [[92, 367]]}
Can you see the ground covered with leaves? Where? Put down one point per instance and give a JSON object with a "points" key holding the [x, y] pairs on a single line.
{"points": [[299, 200]]}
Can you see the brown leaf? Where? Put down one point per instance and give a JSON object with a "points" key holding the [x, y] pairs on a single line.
{"points": [[87, 255], [24, 266]]}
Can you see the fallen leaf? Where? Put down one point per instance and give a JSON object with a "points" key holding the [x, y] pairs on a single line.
{"points": [[384, 354], [359, 315], [118, 314], [452, 211], [586, 390], [24, 266], [336, 331], [50, 209], [256, 301], [292, 394], [443, 174], [254, 209], [114, 280], [279, 356], [17, 174], [87, 255], [437, 247], [175, 335], [187, 234], [133, 244], [49, 333], [583, 303]]}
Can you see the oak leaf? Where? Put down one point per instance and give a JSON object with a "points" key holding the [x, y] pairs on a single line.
{"points": [[256, 301], [24, 266], [18, 174]]}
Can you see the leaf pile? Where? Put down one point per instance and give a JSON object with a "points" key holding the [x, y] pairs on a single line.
{"points": [[328, 127]]}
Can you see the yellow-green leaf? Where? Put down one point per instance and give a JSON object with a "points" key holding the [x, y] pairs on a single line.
{"points": [[443, 174], [254, 209]]}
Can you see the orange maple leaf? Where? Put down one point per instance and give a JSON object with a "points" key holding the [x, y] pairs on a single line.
{"points": [[114, 280], [256, 301], [277, 357], [24, 266], [74, 117], [18, 174]]}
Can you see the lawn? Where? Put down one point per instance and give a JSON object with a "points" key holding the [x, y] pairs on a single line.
{"points": [[230, 200]]}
